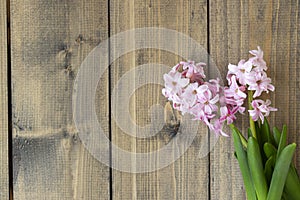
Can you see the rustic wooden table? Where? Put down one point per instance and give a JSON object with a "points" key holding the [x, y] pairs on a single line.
{"points": [[42, 156]]}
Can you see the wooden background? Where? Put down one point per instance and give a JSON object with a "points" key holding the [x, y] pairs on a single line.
{"points": [[49, 40]]}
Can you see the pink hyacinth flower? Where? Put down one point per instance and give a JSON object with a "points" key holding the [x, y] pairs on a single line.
{"points": [[258, 60], [217, 128], [194, 72], [190, 94], [199, 114], [266, 108], [261, 109], [206, 98], [227, 114], [175, 83], [235, 90], [240, 71], [256, 112], [259, 82]]}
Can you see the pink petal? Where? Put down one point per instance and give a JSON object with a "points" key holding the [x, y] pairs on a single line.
{"points": [[247, 66], [232, 68], [215, 99], [224, 111], [241, 94]]}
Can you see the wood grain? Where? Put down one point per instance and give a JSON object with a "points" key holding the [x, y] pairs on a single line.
{"points": [[285, 64], [235, 28], [50, 39], [187, 178], [4, 190], [229, 42]]}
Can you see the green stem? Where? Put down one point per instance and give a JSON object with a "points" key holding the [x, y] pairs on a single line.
{"points": [[252, 124]]}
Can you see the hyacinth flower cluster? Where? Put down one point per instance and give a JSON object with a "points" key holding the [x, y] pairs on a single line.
{"points": [[208, 101], [264, 158], [186, 88]]}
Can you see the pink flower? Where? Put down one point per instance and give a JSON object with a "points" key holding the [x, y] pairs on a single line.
{"points": [[241, 109], [240, 71], [258, 60], [177, 102], [266, 108], [176, 68], [214, 86], [256, 112], [214, 104], [174, 83], [187, 64], [217, 128], [199, 114], [190, 94], [198, 68], [206, 98], [227, 114], [261, 109], [194, 72], [235, 91], [259, 82], [234, 102]]}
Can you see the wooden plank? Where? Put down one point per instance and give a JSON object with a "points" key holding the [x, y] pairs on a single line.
{"points": [[187, 178], [50, 40], [285, 65], [4, 190], [235, 28], [229, 42]]}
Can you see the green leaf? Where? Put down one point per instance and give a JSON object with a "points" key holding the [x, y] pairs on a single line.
{"points": [[235, 155], [292, 184], [261, 139], [269, 150], [257, 126], [280, 173], [284, 196], [265, 131], [276, 135], [269, 167], [282, 142], [258, 134], [256, 168], [249, 133], [242, 160], [243, 139]]}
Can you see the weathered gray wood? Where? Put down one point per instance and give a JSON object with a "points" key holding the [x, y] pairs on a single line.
{"points": [[285, 67], [229, 42], [187, 178], [235, 28], [4, 191], [50, 39]]}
